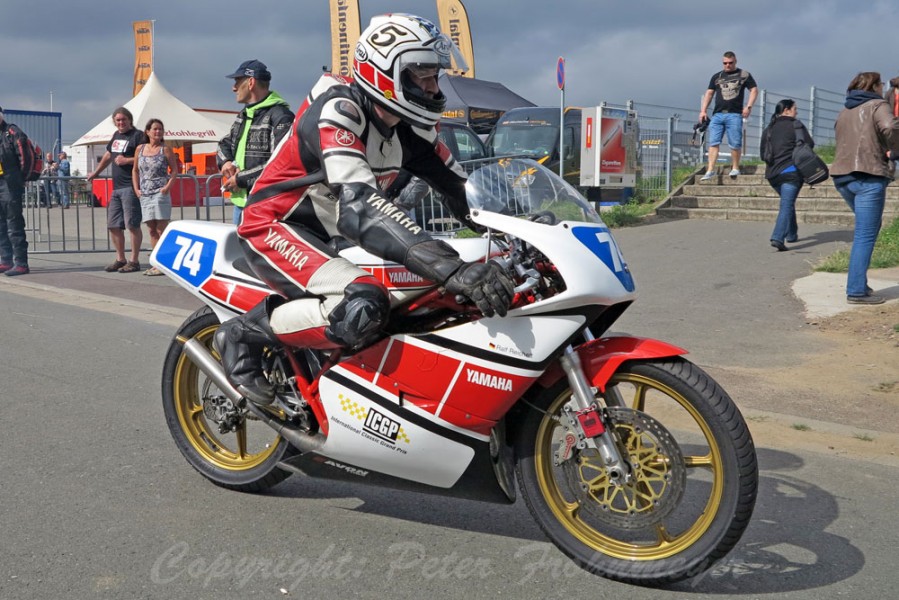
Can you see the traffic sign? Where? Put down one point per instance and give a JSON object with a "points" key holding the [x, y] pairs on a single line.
{"points": [[560, 73]]}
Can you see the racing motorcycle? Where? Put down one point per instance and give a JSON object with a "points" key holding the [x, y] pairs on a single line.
{"points": [[633, 461]]}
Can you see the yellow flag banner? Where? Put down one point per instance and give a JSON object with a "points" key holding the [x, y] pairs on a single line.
{"points": [[454, 23], [344, 35], [143, 54]]}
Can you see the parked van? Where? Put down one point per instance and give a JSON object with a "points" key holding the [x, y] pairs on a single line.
{"points": [[534, 132], [462, 141]]}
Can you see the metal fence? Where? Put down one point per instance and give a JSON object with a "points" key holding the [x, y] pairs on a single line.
{"points": [[665, 144], [666, 140], [82, 227]]}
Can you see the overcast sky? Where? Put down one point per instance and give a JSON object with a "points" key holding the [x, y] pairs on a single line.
{"points": [[652, 51]]}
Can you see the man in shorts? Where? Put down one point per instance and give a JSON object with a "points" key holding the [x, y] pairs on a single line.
{"points": [[123, 210], [728, 88]]}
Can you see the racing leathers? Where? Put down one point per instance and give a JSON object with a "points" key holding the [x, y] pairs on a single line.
{"points": [[324, 182]]}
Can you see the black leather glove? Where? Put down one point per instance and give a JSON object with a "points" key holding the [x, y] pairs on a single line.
{"points": [[485, 284]]}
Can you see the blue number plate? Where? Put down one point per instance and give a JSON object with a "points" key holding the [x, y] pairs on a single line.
{"points": [[189, 256]]}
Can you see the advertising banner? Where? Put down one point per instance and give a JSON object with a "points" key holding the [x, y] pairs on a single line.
{"points": [[611, 150], [344, 35], [608, 147], [143, 54], [454, 23]]}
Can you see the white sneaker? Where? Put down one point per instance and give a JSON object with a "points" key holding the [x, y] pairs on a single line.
{"points": [[734, 173], [709, 175]]}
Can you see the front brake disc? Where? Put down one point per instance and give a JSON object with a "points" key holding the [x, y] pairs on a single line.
{"points": [[658, 474]]}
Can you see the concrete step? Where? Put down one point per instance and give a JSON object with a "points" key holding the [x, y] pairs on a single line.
{"points": [[724, 169], [765, 190], [723, 179], [758, 203], [846, 218], [749, 197], [770, 216]]}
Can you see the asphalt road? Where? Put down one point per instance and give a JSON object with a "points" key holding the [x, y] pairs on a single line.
{"points": [[96, 501], [720, 290]]}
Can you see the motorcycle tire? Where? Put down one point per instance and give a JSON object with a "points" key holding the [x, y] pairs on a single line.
{"points": [[245, 459], [694, 459]]}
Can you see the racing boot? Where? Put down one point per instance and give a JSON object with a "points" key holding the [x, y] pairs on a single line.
{"points": [[240, 342]]}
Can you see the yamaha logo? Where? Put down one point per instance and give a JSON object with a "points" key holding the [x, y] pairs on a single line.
{"points": [[345, 138]]}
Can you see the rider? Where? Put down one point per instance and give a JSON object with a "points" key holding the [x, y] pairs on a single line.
{"points": [[348, 142]]}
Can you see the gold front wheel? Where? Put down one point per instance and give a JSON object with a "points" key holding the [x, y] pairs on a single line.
{"points": [[691, 488]]}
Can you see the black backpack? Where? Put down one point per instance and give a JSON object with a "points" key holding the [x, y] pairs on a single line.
{"points": [[31, 157]]}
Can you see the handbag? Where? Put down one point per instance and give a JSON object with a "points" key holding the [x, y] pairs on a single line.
{"points": [[810, 166]]}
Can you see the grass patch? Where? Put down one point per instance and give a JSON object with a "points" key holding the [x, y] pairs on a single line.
{"points": [[886, 253], [624, 215], [827, 153], [652, 189], [801, 427], [466, 233], [863, 437], [648, 192]]}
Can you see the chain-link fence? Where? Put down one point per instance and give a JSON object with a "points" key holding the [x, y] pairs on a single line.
{"points": [[667, 141]]}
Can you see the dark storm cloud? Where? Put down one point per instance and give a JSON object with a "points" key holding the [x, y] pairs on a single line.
{"points": [[652, 51]]}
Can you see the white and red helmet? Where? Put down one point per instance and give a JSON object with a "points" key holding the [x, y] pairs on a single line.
{"points": [[393, 44]]}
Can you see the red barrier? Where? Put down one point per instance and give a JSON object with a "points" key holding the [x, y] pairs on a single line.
{"points": [[184, 193]]}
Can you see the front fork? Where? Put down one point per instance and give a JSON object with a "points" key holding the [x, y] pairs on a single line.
{"points": [[589, 422]]}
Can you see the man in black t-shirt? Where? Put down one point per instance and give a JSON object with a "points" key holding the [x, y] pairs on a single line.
{"points": [[123, 210], [728, 88]]}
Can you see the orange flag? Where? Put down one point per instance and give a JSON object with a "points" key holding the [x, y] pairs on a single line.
{"points": [[143, 54]]}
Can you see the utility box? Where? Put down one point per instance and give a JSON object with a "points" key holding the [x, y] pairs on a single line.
{"points": [[608, 147]]}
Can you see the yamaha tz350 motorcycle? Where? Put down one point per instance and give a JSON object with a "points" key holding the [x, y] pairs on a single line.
{"points": [[632, 460]]}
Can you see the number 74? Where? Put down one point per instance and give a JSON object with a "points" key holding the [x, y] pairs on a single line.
{"points": [[189, 255]]}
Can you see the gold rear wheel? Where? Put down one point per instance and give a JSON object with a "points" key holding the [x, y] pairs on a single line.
{"points": [[218, 440]]}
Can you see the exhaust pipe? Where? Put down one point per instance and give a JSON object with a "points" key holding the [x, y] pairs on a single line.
{"points": [[298, 438]]}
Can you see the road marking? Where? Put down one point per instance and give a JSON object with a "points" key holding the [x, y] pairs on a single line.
{"points": [[152, 313]]}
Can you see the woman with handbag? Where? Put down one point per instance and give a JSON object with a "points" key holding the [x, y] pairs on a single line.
{"points": [[778, 141], [866, 135]]}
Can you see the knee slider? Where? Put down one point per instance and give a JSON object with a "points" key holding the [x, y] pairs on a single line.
{"points": [[359, 316]]}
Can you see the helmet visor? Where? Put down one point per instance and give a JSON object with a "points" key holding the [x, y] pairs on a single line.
{"points": [[423, 71], [448, 52]]}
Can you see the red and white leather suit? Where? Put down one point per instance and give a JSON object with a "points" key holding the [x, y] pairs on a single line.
{"points": [[341, 156]]}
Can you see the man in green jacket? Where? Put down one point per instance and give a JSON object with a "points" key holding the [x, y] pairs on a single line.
{"points": [[255, 133]]}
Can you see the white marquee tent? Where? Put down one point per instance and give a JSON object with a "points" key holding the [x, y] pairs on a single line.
{"points": [[182, 123]]}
